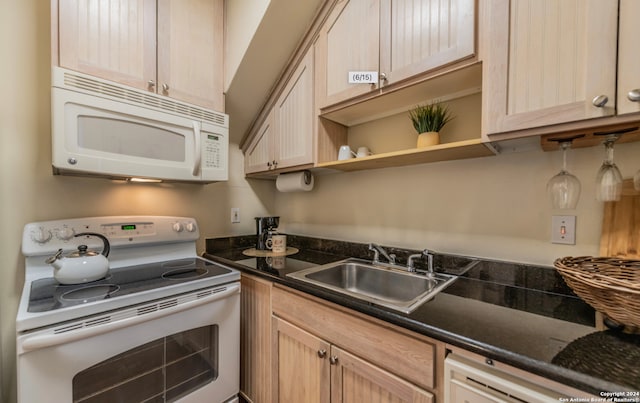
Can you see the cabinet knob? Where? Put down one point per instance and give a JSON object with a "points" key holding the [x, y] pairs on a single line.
{"points": [[383, 79], [151, 84], [634, 95], [600, 101], [165, 87], [322, 353], [333, 360]]}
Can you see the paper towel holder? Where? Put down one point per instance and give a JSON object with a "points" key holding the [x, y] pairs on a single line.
{"points": [[299, 181], [306, 176]]}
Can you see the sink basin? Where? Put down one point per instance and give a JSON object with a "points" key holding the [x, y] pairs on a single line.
{"points": [[392, 288]]}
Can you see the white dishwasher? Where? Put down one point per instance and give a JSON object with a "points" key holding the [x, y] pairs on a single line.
{"points": [[469, 381]]}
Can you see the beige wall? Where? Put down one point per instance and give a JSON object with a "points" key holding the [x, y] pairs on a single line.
{"points": [[493, 207], [29, 192]]}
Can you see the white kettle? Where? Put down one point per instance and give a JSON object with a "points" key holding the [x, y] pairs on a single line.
{"points": [[83, 265]]}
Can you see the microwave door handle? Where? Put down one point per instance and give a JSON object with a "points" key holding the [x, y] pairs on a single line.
{"points": [[198, 151]]}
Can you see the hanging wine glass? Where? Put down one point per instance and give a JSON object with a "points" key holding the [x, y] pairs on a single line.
{"points": [[564, 188], [609, 178]]}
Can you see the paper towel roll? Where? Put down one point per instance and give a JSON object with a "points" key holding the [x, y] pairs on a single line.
{"points": [[295, 182]]}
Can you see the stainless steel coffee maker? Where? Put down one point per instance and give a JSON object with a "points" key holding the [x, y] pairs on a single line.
{"points": [[266, 227]]}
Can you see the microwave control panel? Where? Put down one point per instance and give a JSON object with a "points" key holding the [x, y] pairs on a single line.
{"points": [[212, 150]]}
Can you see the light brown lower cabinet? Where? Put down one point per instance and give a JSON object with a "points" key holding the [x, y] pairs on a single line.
{"points": [[322, 352], [255, 339], [301, 371], [310, 369], [299, 348]]}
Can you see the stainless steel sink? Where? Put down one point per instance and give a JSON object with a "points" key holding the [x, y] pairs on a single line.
{"points": [[393, 288]]}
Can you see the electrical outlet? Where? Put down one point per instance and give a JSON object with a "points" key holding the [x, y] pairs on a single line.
{"points": [[563, 229], [235, 215]]}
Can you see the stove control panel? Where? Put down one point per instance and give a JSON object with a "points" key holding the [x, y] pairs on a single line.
{"points": [[45, 237], [129, 229]]}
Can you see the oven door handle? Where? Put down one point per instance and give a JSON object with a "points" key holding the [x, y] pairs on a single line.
{"points": [[39, 341]]}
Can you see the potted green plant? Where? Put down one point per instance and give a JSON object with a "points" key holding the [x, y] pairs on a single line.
{"points": [[428, 120]]}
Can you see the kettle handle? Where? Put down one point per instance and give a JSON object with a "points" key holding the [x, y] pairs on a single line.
{"points": [[106, 248]]}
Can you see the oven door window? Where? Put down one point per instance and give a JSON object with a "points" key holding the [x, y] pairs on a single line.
{"points": [[162, 370]]}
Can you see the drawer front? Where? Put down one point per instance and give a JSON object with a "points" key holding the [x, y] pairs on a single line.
{"points": [[409, 357]]}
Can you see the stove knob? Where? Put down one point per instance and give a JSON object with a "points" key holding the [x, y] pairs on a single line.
{"points": [[178, 227], [191, 227], [41, 235], [65, 233]]}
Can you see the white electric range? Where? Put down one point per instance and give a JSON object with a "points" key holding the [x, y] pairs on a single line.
{"points": [[163, 323]]}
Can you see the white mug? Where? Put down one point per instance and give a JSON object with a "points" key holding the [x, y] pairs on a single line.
{"points": [[363, 152], [279, 243], [345, 153]]}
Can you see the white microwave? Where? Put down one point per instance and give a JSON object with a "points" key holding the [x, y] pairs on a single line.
{"points": [[101, 128]]}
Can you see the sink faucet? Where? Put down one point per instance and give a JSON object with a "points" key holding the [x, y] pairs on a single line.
{"points": [[411, 268], [378, 250]]}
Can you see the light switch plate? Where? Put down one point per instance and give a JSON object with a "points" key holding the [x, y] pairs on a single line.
{"points": [[235, 215], [563, 229]]}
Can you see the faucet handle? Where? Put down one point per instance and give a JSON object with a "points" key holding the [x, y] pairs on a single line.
{"points": [[410, 267], [429, 254], [378, 250], [376, 254]]}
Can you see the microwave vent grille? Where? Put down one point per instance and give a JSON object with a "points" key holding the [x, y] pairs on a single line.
{"points": [[138, 97]]}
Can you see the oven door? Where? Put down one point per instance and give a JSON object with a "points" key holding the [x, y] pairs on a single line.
{"points": [[183, 348]]}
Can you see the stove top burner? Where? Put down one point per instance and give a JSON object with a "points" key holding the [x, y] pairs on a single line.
{"points": [[187, 273], [47, 295], [182, 269], [90, 293]]}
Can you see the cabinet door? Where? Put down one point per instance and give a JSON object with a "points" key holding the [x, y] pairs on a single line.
{"points": [[348, 41], [628, 58], [114, 40], [546, 61], [421, 35], [190, 51], [255, 339], [294, 118], [259, 155], [354, 380], [301, 366]]}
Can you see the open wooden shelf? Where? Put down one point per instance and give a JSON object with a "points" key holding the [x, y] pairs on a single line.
{"points": [[455, 83], [473, 148]]}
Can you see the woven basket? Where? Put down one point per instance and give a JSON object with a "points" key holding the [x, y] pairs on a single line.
{"points": [[610, 285]]}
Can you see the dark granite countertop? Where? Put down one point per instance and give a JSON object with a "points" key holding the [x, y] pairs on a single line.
{"points": [[521, 315]]}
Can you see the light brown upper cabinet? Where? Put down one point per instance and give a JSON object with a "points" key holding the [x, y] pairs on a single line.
{"points": [[285, 138], [396, 38], [173, 48], [628, 58], [259, 156], [549, 62]]}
